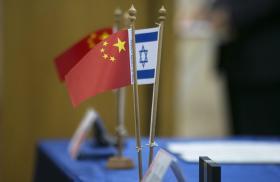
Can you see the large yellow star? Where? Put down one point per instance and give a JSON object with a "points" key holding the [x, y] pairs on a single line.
{"points": [[120, 45], [105, 35]]}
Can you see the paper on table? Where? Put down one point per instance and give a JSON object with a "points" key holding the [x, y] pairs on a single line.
{"points": [[81, 132], [228, 151], [158, 167]]}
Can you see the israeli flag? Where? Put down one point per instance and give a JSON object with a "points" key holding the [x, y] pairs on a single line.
{"points": [[146, 54]]}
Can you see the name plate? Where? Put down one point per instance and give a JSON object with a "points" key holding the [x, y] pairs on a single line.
{"points": [[159, 167], [81, 133]]}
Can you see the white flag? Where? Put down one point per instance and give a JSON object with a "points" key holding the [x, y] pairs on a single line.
{"points": [[146, 44]]}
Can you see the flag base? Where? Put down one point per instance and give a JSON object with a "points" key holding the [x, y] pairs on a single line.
{"points": [[117, 162]]}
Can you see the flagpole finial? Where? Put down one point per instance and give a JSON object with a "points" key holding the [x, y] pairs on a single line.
{"points": [[126, 19], [132, 17], [162, 14], [118, 13], [132, 13]]}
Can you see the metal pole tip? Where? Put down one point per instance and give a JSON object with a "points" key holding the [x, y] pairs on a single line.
{"points": [[132, 11], [118, 12], [162, 10], [162, 14]]}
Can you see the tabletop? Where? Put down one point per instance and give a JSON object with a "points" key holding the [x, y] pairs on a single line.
{"points": [[54, 164]]}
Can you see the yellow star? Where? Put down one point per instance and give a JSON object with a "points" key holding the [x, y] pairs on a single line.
{"points": [[93, 35], [90, 40], [91, 44], [105, 43], [105, 35], [105, 56], [120, 45], [112, 58], [102, 50]]}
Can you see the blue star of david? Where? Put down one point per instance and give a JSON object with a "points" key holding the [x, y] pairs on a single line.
{"points": [[143, 56]]}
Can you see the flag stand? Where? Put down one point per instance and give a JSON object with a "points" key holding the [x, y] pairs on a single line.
{"points": [[132, 12], [152, 144], [119, 161]]}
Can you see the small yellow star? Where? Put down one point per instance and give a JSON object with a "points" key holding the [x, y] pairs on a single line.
{"points": [[112, 58], [105, 56], [105, 35], [90, 40], [102, 50], [91, 44], [120, 45], [93, 35], [105, 43]]}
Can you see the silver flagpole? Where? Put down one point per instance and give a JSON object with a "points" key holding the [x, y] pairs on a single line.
{"points": [[152, 144], [132, 12], [119, 161]]}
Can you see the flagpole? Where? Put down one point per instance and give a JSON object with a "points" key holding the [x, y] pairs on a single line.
{"points": [[152, 144], [132, 17], [121, 131], [119, 161], [120, 93]]}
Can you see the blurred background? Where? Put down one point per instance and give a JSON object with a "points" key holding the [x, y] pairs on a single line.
{"points": [[34, 105]]}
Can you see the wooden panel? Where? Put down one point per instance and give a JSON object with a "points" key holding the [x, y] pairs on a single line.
{"points": [[1, 86], [35, 104]]}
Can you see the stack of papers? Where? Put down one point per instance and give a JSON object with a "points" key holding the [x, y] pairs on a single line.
{"points": [[228, 151]]}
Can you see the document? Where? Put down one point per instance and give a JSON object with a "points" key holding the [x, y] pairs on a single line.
{"points": [[81, 133], [228, 151], [160, 165]]}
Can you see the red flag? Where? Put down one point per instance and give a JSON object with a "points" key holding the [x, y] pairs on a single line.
{"points": [[68, 59], [105, 67]]}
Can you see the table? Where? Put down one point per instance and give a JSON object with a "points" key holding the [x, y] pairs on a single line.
{"points": [[54, 164]]}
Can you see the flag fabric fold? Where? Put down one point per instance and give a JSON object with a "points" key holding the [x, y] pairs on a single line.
{"points": [[69, 58], [105, 67], [108, 65]]}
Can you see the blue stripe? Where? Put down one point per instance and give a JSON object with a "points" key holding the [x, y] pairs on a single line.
{"points": [[145, 74], [146, 37]]}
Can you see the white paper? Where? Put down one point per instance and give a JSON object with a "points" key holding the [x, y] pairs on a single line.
{"points": [[158, 167], [81, 132], [228, 151]]}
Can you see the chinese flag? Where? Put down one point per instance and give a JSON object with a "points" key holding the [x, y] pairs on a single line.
{"points": [[104, 67], [68, 59]]}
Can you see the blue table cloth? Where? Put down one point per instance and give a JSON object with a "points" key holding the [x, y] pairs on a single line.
{"points": [[54, 164]]}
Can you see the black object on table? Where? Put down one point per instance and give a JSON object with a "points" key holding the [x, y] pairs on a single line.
{"points": [[202, 169], [213, 172]]}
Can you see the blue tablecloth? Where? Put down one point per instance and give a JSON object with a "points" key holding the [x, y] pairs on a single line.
{"points": [[54, 164]]}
